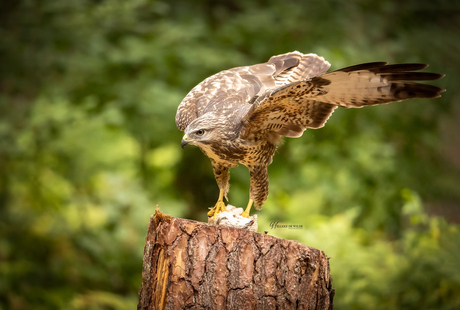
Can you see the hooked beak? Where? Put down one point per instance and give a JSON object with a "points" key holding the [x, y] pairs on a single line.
{"points": [[184, 141]]}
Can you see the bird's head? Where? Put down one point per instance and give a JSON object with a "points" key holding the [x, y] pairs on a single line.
{"points": [[200, 131]]}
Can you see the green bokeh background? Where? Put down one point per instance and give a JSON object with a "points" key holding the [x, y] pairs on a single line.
{"points": [[88, 145]]}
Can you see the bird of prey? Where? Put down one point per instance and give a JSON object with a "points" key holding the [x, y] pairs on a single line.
{"points": [[240, 115]]}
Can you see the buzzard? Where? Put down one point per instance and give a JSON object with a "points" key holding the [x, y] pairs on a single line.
{"points": [[240, 115]]}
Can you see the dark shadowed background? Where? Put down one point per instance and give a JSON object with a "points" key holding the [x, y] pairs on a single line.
{"points": [[88, 145]]}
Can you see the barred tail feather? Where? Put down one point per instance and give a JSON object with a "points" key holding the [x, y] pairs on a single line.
{"points": [[375, 83]]}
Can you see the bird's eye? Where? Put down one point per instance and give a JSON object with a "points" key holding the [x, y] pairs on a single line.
{"points": [[200, 132]]}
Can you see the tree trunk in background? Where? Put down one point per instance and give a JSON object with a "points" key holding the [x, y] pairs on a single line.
{"points": [[192, 265]]}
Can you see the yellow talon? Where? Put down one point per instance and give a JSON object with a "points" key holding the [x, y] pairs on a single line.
{"points": [[248, 208], [219, 207]]}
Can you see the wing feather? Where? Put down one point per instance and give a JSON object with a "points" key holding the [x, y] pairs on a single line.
{"points": [[290, 109], [247, 84]]}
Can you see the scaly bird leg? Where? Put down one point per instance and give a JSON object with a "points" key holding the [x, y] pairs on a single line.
{"points": [[248, 208], [220, 205]]}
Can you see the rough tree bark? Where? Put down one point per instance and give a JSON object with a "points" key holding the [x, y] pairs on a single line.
{"points": [[193, 265]]}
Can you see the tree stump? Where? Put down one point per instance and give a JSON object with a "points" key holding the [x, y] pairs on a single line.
{"points": [[193, 265]]}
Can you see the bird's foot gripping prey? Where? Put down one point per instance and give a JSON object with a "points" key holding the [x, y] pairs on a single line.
{"points": [[219, 207], [240, 115]]}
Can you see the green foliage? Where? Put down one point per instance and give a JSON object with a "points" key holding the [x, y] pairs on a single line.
{"points": [[88, 145]]}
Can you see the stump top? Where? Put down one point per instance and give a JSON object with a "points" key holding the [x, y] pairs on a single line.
{"points": [[194, 265]]}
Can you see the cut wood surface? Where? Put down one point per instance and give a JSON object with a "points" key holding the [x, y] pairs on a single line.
{"points": [[193, 265]]}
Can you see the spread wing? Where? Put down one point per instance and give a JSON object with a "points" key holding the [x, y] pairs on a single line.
{"points": [[236, 90], [291, 108]]}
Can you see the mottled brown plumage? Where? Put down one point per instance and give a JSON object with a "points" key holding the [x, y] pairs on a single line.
{"points": [[239, 116]]}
